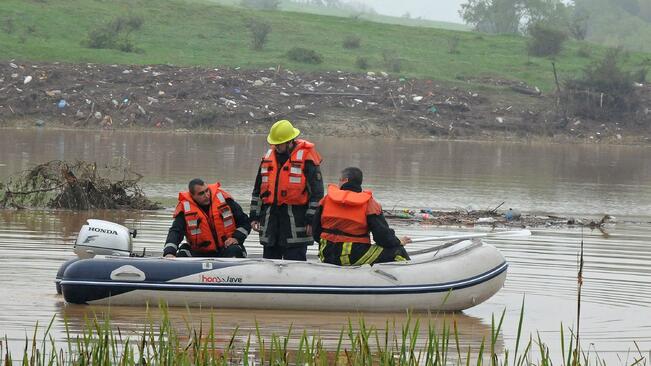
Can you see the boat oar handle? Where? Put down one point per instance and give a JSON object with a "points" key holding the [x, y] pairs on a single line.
{"points": [[498, 234]]}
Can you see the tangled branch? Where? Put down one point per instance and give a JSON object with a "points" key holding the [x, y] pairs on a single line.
{"points": [[77, 186]]}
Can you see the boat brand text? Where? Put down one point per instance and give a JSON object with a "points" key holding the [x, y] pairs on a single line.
{"points": [[100, 230], [216, 279]]}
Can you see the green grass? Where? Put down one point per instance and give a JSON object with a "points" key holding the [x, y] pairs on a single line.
{"points": [[413, 343], [292, 6], [198, 33]]}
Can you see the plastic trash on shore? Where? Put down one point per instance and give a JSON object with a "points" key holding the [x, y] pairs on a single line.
{"points": [[512, 214]]}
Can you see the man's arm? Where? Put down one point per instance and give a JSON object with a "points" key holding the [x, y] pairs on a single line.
{"points": [[316, 225], [241, 219], [175, 235], [314, 189], [256, 202], [383, 235]]}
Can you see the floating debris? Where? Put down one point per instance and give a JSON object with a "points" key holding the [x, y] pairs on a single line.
{"points": [[77, 186]]}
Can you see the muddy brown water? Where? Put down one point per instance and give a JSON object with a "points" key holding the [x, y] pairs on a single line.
{"points": [[569, 180]]}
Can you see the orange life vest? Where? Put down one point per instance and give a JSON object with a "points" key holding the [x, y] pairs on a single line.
{"points": [[199, 226], [343, 218], [290, 186]]}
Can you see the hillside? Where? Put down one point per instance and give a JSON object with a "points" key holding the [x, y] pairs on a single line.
{"points": [[196, 33], [350, 12]]}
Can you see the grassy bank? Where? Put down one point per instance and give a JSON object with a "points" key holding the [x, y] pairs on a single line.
{"points": [[414, 343], [200, 33]]}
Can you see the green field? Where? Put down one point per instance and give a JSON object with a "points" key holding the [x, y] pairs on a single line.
{"points": [[206, 34]]}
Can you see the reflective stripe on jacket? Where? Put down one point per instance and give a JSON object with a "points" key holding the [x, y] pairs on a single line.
{"points": [[289, 186], [200, 226]]}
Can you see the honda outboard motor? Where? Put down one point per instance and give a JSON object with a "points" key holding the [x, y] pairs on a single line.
{"points": [[99, 237]]}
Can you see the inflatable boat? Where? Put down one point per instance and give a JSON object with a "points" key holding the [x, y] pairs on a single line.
{"points": [[449, 277]]}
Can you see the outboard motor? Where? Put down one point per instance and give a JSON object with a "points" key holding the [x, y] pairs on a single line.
{"points": [[99, 237]]}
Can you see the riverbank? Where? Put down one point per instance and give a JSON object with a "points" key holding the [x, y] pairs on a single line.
{"points": [[232, 101]]}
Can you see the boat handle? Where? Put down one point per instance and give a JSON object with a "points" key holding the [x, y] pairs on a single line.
{"points": [[127, 273]]}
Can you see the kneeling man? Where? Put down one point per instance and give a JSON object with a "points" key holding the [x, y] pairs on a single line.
{"points": [[344, 220], [213, 224]]}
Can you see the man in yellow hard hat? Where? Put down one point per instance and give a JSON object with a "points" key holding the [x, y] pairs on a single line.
{"points": [[287, 192]]}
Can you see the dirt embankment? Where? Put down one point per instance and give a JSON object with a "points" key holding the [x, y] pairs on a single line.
{"points": [[329, 103]]}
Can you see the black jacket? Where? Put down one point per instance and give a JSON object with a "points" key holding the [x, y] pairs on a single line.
{"points": [[383, 235], [285, 225], [177, 231]]}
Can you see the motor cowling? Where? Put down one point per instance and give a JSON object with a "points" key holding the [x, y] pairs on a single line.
{"points": [[99, 237]]}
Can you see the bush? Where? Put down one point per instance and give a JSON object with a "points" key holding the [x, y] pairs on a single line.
{"points": [[453, 44], [641, 75], [351, 42], [392, 61], [259, 33], [604, 90], [261, 4], [545, 40], [8, 25], [584, 51], [362, 63], [578, 25], [304, 55], [116, 34]]}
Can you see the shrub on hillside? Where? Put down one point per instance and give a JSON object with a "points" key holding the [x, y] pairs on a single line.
{"points": [[640, 75], [351, 42], [362, 63], [584, 51], [304, 55], [604, 90], [392, 61], [453, 44], [116, 34], [8, 25], [259, 33], [261, 4], [545, 40]]}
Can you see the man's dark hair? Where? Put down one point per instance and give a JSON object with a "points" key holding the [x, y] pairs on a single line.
{"points": [[193, 183], [354, 175]]}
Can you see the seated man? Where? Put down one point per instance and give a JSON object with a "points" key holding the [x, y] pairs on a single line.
{"points": [[213, 224], [344, 220]]}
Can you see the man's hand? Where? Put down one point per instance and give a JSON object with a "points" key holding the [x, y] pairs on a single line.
{"points": [[255, 225], [170, 256], [308, 230], [230, 241], [405, 240]]}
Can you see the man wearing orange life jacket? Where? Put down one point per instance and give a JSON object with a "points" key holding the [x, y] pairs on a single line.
{"points": [[344, 221], [286, 193], [213, 224]]}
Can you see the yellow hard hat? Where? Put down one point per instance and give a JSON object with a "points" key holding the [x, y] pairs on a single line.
{"points": [[281, 132]]}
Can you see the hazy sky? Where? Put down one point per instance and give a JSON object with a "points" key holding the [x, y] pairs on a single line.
{"points": [[446, 10]]}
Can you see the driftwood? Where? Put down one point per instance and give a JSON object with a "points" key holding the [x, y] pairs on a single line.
{"points": [[77, 186], [526, 90]]}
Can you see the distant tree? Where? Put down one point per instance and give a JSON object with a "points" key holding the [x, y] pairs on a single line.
{"points": [[545, 40], [645, 10], [259, 33], [512, 16], [261, 4], [630, 6], [494, 16], [578, 23]]}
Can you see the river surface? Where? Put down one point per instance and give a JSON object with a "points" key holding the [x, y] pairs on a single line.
{"points": [[582, 181]]}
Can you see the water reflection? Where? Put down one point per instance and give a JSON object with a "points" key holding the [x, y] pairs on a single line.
{"points": [[567, 179]]}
